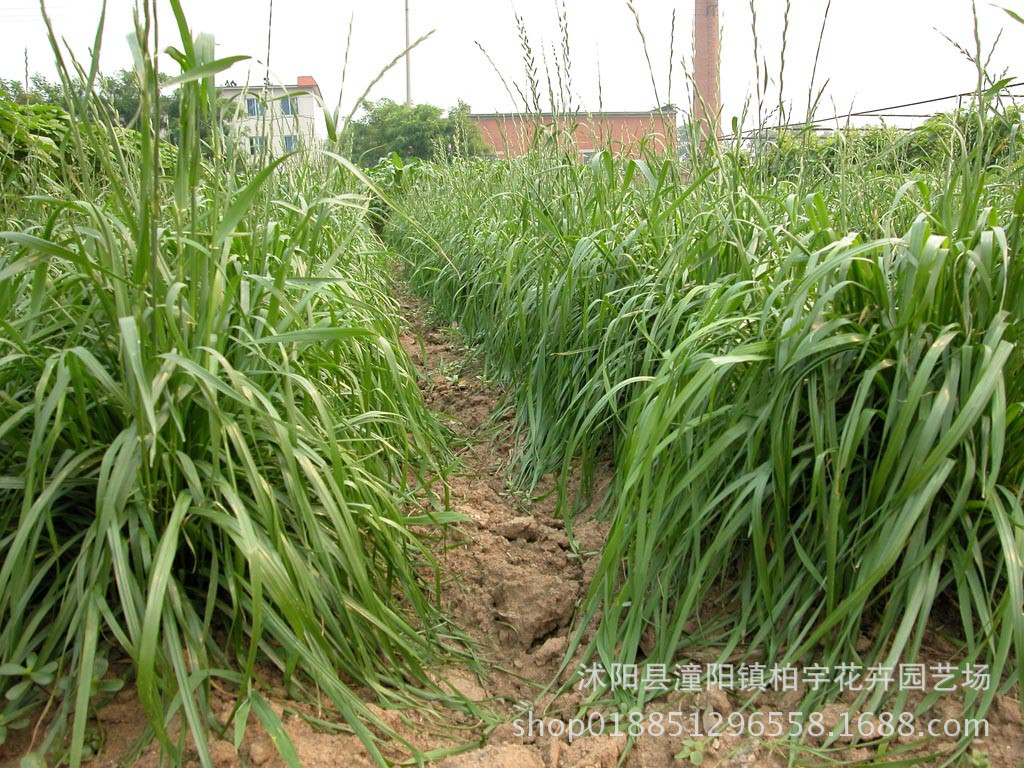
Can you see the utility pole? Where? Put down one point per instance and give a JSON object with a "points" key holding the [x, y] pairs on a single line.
{"points": [[26, 71], [408, 66], [706, 97]]}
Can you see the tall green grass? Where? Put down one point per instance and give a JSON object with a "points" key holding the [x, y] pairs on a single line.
{"points": [[212, 446], [809, 378]]}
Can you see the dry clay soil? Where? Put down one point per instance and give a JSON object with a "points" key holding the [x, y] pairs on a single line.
{"points": [[513, 582]]}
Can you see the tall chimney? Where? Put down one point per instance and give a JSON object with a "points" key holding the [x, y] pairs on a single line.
{"points": [[706, 97], [408, 66]]}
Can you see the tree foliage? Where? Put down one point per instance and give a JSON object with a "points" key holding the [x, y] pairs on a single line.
{"points": [[422, 131], [29, 133], [118, 92]]}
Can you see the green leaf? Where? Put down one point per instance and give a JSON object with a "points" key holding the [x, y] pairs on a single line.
{"points": [[241, 722], [1014, 15], [243, 200], [275, 730], [18, 690], [316, 336], [203, 70]]}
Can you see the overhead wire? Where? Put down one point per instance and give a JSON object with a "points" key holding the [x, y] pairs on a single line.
{"points": [[889, 111]]}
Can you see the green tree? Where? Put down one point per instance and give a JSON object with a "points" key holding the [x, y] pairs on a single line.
{"points": [[12, 90], [422, 131], [119, 91], [42, 91]]}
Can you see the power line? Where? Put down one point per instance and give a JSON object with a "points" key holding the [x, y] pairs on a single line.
{"points": [[877, 112], [408, 65]]}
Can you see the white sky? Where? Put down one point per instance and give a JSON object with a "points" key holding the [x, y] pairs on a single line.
{"points": [[875, 53]]}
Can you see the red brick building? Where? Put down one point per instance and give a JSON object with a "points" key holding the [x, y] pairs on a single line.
{"points": [[511, 134]]}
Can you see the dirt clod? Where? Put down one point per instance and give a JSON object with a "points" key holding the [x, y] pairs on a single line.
{"points": [[261, 752], [533, 604]]}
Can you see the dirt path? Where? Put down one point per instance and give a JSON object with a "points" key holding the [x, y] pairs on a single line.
{"points": [[514, 584]]}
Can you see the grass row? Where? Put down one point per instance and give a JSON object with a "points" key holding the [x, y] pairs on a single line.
{"points": [[212, 446], [809, 378]]}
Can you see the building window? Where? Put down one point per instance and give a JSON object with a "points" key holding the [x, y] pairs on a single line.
{"points": [[290, 105], [257, 144], [291, 143], [254, 106]]}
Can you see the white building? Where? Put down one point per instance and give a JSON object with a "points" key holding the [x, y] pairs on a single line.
{"points": [[278, 118]]}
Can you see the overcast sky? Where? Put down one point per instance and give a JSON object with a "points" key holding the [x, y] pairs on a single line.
{"points": [[874, 53]]}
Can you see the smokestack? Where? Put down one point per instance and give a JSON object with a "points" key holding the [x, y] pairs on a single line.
{"points": [[408, 66], [706, 97]]}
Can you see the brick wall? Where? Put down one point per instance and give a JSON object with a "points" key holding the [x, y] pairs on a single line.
{"points": [[511, 135]]}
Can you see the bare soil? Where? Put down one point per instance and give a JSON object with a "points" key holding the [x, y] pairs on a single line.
{"points": [[514, 583]]}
